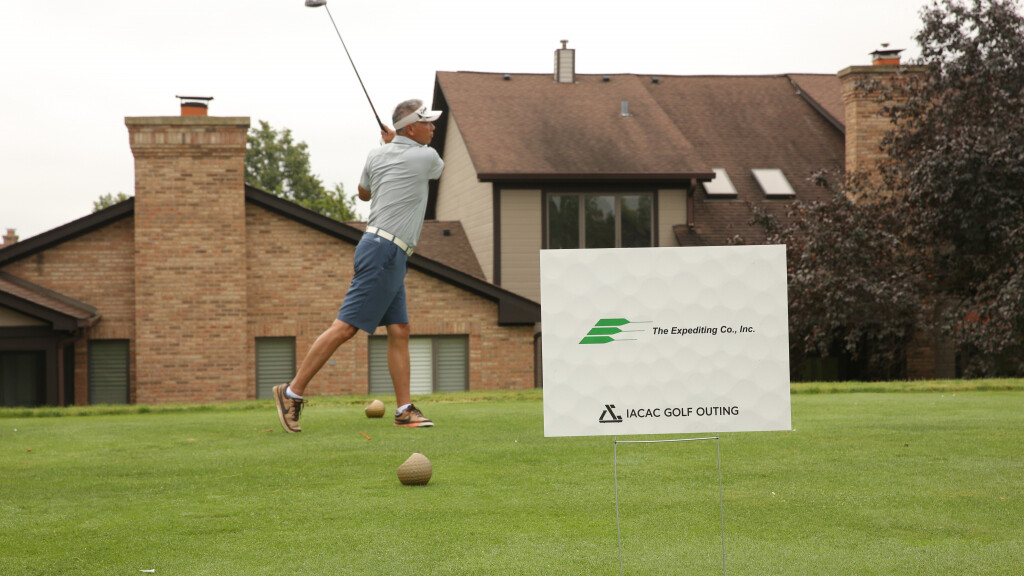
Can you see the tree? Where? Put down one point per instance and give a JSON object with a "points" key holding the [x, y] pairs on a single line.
{"points": [[108, 200], [957, 157], [274, 162], [944, 233], [853, 290]]}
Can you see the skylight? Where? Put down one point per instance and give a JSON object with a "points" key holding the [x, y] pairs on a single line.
{"points": [[773, 183], [720, 186]]}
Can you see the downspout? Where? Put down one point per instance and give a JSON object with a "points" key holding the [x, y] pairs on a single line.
{"points": [[690, 203]]}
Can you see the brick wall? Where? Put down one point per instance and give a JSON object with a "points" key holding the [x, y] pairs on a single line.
{"points": [[865, 128], [98, 269], [190, 261], [297, 278], [196, 275]]}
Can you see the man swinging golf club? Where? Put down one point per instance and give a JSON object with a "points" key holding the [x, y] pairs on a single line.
{"points": [[394, 180]]}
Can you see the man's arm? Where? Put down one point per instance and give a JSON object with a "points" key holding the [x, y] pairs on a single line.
{"points": [[387, 135]]}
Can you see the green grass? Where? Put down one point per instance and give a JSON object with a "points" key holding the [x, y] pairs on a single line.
{"points": [[909, 481]]}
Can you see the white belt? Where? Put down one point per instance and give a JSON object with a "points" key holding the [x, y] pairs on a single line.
{"points": [[391, 238]]}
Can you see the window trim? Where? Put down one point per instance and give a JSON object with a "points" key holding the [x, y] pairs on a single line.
{"points": [[617, 191], [256, 356], [127, 366], [434, 349]]}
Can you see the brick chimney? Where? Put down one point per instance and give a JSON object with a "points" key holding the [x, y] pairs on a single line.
{"points": [[865, 127], [10, 237], [190, 260], [886, 56], [194, 105], [565, 64]]}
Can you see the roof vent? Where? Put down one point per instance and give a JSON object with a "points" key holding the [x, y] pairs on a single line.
{"points": [[606, 79], [506, 77], [194, 105], [565, 64], [655, 80]]}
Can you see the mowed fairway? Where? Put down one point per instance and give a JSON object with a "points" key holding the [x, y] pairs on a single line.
{"points": [[923, 483]]}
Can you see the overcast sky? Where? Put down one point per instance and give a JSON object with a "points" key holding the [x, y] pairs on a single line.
{"points": [[72, 70]]}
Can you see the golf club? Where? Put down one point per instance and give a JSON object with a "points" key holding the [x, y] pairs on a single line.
{"points": [[317, 4]]}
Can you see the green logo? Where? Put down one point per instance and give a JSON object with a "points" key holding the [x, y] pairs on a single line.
{"points": [[606, 328]]}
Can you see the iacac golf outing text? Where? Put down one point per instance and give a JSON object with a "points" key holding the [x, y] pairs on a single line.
{"points": [[609, 415]]}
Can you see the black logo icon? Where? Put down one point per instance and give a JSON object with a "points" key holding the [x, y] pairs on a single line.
{"points": [[608, 415]]}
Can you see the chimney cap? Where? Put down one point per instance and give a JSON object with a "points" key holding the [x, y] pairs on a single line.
{"points": [[564, 43], [194, 105], [886, 52]]}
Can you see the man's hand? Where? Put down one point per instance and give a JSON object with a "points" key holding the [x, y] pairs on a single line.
{"points": [[387, 134]]}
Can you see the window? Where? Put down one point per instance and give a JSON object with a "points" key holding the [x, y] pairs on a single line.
{"points": [[438, 364], [773, 183], [108, 372], [600, 220], [720, 186], [275, 364], [22, 378]]}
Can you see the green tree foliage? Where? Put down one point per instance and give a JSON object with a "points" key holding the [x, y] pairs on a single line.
{"points": [[274, 162], [108, 200], [957, 156]]}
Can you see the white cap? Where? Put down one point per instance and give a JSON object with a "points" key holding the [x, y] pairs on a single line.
{"points": [[421, 115]]}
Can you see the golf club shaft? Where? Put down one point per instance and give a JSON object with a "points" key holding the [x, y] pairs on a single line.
{"points": [[375, 115]]}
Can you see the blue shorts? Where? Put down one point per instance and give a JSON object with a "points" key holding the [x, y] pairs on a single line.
{"points": [[376, 296]]}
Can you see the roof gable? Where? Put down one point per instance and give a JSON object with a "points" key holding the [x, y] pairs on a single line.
{"points": [[512, 308], [452, 264], [62, 312]]}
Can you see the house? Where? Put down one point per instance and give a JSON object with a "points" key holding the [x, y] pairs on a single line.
{"points": [[567, 160], [201, 288], [539, 161]]}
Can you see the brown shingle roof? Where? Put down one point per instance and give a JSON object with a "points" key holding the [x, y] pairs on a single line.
{"points": [[744, 122], [824, 92], [64, 312], [531, 126]]}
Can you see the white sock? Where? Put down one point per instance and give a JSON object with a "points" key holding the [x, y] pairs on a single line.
{"points": [[288, 392], [401, 409]]}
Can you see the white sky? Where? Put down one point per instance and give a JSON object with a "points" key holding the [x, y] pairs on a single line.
{"points": [[72, 70]]}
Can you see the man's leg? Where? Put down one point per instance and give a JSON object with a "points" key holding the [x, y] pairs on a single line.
{"points": [[288, 407], [321, 350], [400, 370], [398, 362]]}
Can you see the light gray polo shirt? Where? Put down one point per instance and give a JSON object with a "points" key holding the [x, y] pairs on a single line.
{"points": [[397, 175]]}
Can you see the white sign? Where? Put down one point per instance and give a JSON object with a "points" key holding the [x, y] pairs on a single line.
{"points": [[665, 340]]}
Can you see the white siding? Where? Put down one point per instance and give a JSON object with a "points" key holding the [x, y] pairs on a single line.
{"points": [[461, 196], [671, 211], [521, 235]]}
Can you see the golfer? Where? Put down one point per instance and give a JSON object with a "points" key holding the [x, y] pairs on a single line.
{"points": [[394, 180]]}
